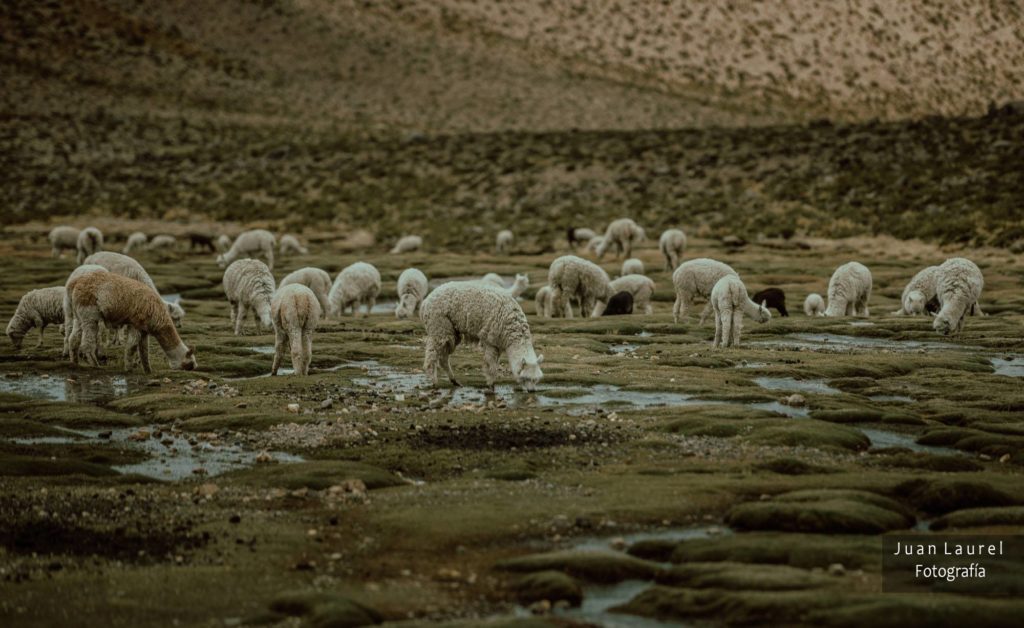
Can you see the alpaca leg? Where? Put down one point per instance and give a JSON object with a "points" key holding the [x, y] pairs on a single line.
{"points": [[239, 319], [270, 258], [90, 330], [75, 340], [586, 307], [42, 326], [369, 304], [144, 353], [280, 338], [598, 309], [628, 249], [491, 355], [704, 313], [446, 353], [296, 345], [430, 361], [737, 327], [677, 308], [307, 351], [717, 342], [726, 320]]}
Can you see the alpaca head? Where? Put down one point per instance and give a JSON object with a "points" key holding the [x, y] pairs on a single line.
{"points": [[763, 315], [914, 303], [177, 313], [943, 324], [406, 306], [529, 373], [222, 261]]}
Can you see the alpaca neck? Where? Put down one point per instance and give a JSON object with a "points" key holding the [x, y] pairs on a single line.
{"points": [[751, 309], [169, 340]]}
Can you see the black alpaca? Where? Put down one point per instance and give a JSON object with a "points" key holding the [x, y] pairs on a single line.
{"points": [[200, 240], [620, 303], [773, 298]]}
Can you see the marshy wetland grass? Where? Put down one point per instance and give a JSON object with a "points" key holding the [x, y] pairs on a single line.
{"points": [[386, 500]]}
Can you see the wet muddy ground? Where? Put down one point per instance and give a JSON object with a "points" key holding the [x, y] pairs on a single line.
{"points": [[649, 478]]}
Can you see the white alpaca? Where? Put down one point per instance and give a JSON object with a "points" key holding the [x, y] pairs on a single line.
{"points": [[672, 245], [849, 290], [250, 244], [135, 241], [632, 266], [959, 285], [476, 312], [316, 280], [296, 313], [412, 289], [290, 245], [814, 305], [62, 239], [695, 279], [37, 308], [730, 302], [574, 278], [249, 287], [622, 234], [407, 244], [90, 240], [503, 242], [641, 287], [357, 284]]}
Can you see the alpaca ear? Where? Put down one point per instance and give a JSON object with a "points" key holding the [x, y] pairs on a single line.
{"points": [[540, 358]]}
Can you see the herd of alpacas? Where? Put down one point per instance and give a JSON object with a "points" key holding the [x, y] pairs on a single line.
{"points": [[111, 292]]}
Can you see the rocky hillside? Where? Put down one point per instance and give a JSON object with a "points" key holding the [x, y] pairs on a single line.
{"points": [[388, 114]]}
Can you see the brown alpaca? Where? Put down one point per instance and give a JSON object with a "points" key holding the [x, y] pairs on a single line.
{"points": [[117, 301]]}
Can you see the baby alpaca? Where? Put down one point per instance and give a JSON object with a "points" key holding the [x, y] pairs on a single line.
{"points": [[774, 298], [620, 304], [814, 305], [249, 286], [730, 302], [119, 301], [296, 313], [695, 279], [37, 308]]}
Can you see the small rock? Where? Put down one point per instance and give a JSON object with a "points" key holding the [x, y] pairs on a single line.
{"points": [[1004, 458], [327, 404], [795, 400], [264, 458], [293, 408], [836, 569]]}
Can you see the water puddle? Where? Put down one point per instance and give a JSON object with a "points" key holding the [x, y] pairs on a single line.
{"points": [[265, 349], [644, 334], [440, 281], [623, 348], [68, 388], [751, 365], [599, 599], [173, 455], [881, 439], [800, 385], [174, 297], [1009, 367], [861, 324], [839, 342]]}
